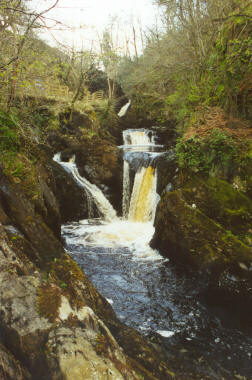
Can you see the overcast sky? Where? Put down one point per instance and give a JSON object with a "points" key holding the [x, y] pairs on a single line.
{"points": [[88, 18]]}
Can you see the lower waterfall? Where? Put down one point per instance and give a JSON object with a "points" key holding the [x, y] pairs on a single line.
{"points": [[143, 199], [102, 203], [126, 189]]}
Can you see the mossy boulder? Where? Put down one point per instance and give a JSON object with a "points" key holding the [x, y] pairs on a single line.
{"points": [[196, 225], [183, 229], [222, 202]]}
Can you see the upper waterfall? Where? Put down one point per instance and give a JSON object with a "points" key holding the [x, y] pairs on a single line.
{"points": [[124, 109], [102, 203]]}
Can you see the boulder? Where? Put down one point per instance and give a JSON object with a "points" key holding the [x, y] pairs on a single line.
{"points": [[206, 224]]}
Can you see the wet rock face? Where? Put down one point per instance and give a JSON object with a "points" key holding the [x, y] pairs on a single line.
{"points": [[167, 169], [100, 163], [72, 199], [10, 368], [31, 218], [96, 152], [98, 160], [206, 224], [87, 351]]}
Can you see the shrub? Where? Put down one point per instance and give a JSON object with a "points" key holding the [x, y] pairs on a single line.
{"points": [[8, 132], [216, 152]]}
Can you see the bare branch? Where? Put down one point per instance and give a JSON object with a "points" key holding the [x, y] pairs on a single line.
{"points": [[29, 27]]}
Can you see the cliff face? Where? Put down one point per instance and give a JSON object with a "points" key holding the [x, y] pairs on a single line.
{"points": [[53, 322]]}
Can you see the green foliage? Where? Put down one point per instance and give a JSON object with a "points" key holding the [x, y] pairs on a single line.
{"points": [[8, 131], [14, 166], [216, 152], [106, 116], [201, 60]]}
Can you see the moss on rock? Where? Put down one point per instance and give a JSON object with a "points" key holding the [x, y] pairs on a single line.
{"points": [[207, 224], [48, 301], [222, 202], [183, 229]]}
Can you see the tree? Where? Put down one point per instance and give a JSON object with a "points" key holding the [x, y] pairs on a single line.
{"points": [[201, 58], [17, 24], [109, 58]]}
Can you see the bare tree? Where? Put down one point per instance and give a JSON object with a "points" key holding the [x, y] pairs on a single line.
{"points": [[18, 23]]}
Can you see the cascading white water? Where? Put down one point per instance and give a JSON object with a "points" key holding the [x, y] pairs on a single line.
{"points": [[143, 199], [126, 189], [145, 290], [103, 205], [136, 137], [124, 109], [139, 201]]}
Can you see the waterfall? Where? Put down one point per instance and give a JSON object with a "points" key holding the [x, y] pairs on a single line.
{"points": [[144, 198], [102, 203], [139, 158], [140, 199], [126, 188], [124, 109], [136, 137]]}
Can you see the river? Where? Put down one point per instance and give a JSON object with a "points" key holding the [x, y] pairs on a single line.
{"points": [[164, 302]]}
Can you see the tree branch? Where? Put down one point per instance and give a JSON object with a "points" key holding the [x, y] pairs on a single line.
{"points": [[231, 16], [29, 27]]}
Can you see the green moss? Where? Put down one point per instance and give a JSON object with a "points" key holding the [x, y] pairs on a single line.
{"points": [[221, 202], [67, 270], [102, 345], [187, 232], [48, 301], [67, 274]]}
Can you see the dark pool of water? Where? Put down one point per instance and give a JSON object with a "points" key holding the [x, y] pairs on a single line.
{"points": [[166, 304]]}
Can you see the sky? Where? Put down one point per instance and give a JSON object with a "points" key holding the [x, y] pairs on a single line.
{"points": [[84, 20]]}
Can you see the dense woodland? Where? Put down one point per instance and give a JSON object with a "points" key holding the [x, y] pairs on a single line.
{"points": [[193, 79]]}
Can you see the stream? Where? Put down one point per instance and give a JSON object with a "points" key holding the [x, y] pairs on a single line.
{"points": [[163, 302]]}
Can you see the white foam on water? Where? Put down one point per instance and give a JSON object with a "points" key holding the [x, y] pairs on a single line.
{"points": [[120, 234], [165, 333]]}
